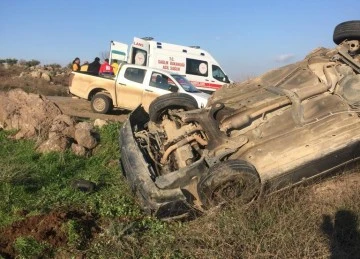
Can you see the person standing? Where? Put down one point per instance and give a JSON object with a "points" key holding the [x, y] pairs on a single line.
{"points": [[115, 66], [76, 64], [106, 69], [94, 67]]}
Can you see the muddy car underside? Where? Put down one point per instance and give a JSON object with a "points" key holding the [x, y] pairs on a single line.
{"points": [[264, 134]]}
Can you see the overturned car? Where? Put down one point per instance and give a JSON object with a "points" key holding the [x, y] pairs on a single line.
{"points": [[289, 125]]}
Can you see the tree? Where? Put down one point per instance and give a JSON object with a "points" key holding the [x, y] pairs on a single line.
{"points": [[11, 61], [32, 63]]}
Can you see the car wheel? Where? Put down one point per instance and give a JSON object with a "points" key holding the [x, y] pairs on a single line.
{"points": [[101, 103], [166, 102], [228, 181], [349, 30]]}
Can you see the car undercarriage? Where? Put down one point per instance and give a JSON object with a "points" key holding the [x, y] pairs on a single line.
{"points": [[286, 126]]}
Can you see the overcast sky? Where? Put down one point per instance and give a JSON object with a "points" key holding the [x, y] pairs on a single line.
{"points": [[245, 37]]}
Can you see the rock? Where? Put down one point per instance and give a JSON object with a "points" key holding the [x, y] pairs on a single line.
{"points": [[31, 114], [35, 74], [84, 138], [100, 123], [78, 150], [63, 124], [84, 125], [58, 143], [46, 77]]}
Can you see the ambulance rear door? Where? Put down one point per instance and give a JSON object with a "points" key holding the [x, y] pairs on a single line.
{"points": [[139, 52], [118, 51]]}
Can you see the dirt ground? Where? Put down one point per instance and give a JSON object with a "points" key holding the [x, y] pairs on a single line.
{"points": [[49, 227], [81, 108]]}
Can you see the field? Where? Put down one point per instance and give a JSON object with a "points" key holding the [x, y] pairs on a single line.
{"points": [[43, 216]]}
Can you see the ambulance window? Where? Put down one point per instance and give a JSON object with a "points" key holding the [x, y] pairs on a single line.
{"points": [[196, 67], [135, 74], [219, 75]]}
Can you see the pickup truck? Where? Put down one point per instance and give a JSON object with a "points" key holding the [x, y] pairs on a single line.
{"points": [[133, 85]]}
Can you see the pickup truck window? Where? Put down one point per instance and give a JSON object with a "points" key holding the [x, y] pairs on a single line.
{"points": [[161, 81], [135, 74], [185, 84]]}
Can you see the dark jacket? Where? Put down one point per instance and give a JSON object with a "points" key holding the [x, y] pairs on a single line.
{"points": [[94, 67]]}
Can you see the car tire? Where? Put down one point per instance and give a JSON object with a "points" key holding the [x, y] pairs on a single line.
{"points": [[228, 181], [163, 103], [101, 103], [349, 30]]}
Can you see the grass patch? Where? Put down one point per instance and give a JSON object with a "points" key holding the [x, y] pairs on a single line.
{"points": [[28, 247]]}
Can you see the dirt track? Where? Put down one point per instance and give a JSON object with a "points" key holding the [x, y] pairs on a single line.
{"points": [[81, 108]]}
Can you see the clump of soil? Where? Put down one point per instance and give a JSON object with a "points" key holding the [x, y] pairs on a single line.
{"points": [[47, 228]]}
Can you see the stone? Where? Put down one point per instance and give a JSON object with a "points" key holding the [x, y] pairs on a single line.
{"points": [[84, 138], [35, 74], [46, 77], [84, 125], [63, 124], [100, 123], [57, 143], [31, 114], [78, 150]]}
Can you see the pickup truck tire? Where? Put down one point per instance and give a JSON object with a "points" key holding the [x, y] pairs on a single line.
{"points": [[349, 30], [101, 103], [232, 180], [166, 102]]}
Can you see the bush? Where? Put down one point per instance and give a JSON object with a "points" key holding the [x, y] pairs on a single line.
{"points": [[9, 61], [32, 63], [54, 65]]}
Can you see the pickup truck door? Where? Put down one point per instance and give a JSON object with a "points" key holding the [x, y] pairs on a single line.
{"points": [[118, 51], [130, 87]]}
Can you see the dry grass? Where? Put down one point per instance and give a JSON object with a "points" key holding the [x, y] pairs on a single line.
{"points": [[9, 79], [289, 224]]}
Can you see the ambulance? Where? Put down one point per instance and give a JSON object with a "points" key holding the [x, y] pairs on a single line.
{"points": [[199, 67]]}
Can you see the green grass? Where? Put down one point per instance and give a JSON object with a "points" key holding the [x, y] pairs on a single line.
{"points": [[284, 225], [28, 247], [40, 183]]}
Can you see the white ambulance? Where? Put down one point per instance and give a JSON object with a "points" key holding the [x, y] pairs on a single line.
{"points": [[199, 67]]}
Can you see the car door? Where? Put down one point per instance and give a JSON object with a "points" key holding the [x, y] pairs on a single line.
{"points": [[130, 87]]}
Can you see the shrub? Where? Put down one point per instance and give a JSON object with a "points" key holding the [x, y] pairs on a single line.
{"points": [[9, 61], [54, 65], [32, 63]]}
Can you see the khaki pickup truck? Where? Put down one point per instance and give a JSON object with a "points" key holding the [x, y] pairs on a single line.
{"points": [[134, 85]]}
